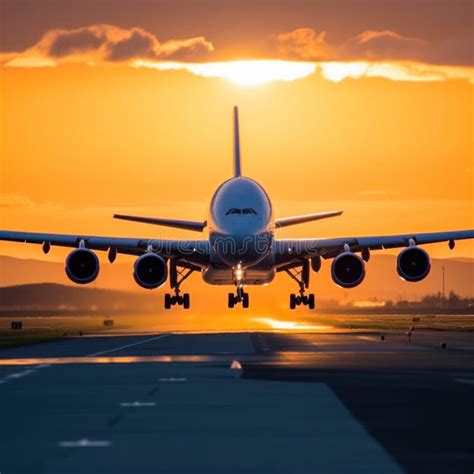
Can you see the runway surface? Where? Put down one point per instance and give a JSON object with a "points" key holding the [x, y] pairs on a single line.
{"points": [[302, 403]]}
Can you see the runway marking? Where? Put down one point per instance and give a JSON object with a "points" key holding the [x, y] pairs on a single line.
{"points": [[138, 404], [173, 379], [85, 443], [465, 381], [368, 338], [161, 336], [17, 375]]}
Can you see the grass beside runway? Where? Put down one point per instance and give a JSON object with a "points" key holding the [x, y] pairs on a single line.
{"points": [[45, 329], [442, 322]]}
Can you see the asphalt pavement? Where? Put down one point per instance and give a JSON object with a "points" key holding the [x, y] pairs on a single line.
{"points": [[345, 402]]}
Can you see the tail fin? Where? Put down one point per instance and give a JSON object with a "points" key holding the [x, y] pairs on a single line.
{"points": [[237, 168]]}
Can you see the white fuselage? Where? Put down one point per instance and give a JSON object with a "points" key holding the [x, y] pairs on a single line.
{"points": [[241, 227]]}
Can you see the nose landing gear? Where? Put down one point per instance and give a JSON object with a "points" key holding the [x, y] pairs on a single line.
{"points": [[240, 297]]}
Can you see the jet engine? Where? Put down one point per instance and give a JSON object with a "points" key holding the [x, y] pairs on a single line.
{"points": [[82, 266], [348, 270], [413, 264], [150, 271]]}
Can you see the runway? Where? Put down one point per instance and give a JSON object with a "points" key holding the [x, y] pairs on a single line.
{"points": [[302, 403]]}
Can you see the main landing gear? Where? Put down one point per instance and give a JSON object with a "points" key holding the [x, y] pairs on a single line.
{"points": [[240, 297], [302, 278], [307, 300], [182, 300], [177, 276]]}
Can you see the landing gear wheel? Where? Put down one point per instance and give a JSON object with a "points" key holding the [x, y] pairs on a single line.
{"points": [[311, 301], [302, 279], [245, 300], [231, 300], [292, 301], [186, 301], [172, 300]]}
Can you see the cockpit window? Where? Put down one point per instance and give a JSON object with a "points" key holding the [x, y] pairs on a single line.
{"points": [[240, 211], [248, 211], [233, 211]]}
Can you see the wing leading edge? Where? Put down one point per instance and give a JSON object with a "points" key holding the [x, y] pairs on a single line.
{"points": [[197, 226], [287, 221], [192, 250], [329, 248]]}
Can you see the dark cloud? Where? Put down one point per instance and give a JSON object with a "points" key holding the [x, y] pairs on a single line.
{"points": [[98, 43], [64, 43], [140, 44]]}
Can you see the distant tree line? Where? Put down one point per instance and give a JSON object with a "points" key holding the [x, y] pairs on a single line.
{"points": [[434, 300]]}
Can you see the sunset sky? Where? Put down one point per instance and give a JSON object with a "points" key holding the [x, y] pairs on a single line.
{"points": [[365, 106]]}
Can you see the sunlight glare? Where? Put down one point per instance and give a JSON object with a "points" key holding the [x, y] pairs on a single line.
{"points": [[243, 73], [290, 325]]}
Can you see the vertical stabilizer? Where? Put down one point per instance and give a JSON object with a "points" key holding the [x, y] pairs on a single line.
{"points": [[237, 169]]}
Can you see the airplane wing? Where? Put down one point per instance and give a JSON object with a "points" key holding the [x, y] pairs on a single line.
{"points": [[197, 226], [192, 250], [289, 249], [286, 221]]}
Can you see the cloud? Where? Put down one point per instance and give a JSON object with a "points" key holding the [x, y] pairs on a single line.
{"points": [[60, 43], [377, 45], [307, 44], [106, 43], [371, 53], [302, 43], [255, 72]]}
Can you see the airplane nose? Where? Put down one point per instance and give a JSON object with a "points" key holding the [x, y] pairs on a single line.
{"points": [[243, 248]]}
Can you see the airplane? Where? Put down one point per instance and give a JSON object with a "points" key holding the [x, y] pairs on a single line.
{"points": [[241, 249]]}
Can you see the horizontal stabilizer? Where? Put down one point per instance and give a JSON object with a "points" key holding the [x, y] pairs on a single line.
{"points": [[197, 226], [286, 221]]}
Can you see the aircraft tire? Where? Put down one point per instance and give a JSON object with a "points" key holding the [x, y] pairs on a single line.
{"points": [[167, 301], [186, 301]]}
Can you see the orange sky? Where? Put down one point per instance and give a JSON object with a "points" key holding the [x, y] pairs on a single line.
{"points": [[93, 135]]}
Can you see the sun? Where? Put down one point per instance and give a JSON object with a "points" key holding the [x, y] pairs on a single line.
{"points": [[256, 72]]}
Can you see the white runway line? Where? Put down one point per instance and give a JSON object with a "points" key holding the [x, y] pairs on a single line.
{"points": [[85, 443], [173, 379], [138, 404], [18, 375], [161, 336]]}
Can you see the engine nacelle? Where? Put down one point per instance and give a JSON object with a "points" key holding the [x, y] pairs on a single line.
{"points": [[82, 266], [348, 270], [413, 264], [150, 271]]}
